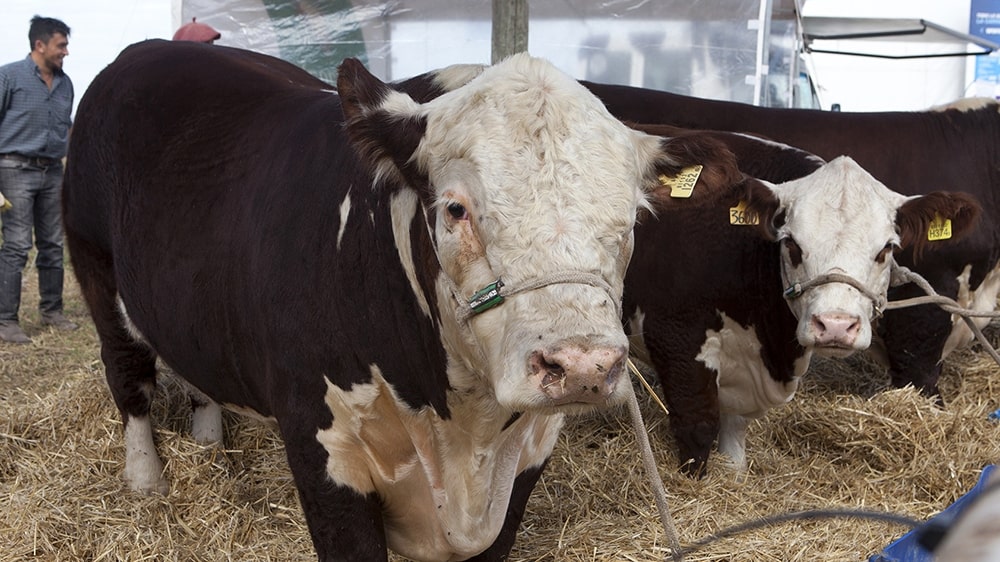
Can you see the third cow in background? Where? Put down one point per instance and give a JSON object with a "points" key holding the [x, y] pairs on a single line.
{"points": [[951, 148]]}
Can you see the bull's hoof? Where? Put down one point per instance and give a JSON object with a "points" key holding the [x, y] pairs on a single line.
{"points": [[157, 486], [693, 468]]}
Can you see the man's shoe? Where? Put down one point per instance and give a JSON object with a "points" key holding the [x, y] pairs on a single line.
{"points": [[11, 332], [59, 322]]}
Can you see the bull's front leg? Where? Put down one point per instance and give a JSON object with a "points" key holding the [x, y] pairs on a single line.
{"points": [[345, 525], [690, 389], [692, 397], [733, 440], [206, 415], [914, 340]]}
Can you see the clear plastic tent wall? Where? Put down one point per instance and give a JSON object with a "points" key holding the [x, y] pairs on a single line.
{"points": [[720, 49]]}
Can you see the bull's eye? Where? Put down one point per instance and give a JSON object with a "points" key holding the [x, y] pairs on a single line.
{"points": [[457, 211], [885, 252], [794, 251]]}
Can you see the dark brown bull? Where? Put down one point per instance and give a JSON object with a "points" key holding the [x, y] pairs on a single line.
{"points": [[415, 293]]}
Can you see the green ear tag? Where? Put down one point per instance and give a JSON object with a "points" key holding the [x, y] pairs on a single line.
{"points": [[793, 291], [487, 297]]}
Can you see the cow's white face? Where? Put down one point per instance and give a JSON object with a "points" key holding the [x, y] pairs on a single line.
{"points": [[840, 220], [526, 178], [837, 220], [532, 179]]}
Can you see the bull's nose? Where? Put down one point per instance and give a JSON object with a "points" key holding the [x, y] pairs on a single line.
{"points": [[837, 329], [576, 373]]}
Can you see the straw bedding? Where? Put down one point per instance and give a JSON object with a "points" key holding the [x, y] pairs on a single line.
{"points": [[845, 442]]}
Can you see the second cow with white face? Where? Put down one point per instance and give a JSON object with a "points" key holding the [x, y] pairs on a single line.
{"points": [[731, 331]]}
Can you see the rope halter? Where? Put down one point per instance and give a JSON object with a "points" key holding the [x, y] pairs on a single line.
{"points": [[494, 294], [796, 290]]}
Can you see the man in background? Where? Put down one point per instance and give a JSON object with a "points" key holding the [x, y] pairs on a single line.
{"points": [[36, 102]]}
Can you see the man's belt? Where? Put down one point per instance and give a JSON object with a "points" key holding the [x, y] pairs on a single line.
{"points": [[36, 161]]}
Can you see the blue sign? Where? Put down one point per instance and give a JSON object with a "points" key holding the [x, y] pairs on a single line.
{"points": [[984, 22]]}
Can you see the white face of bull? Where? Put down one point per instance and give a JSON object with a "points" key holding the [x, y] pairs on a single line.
{"points": [[841, 220], [529, 181], [838, 219], [542, 185]]}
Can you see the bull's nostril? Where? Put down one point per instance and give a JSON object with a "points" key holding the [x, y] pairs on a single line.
{"points": [[553, 377], [554, 368]]}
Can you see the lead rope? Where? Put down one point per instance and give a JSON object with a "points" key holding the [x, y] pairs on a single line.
{"points": [[649, 463], [494, 294], [900, 276], [904, 274]]}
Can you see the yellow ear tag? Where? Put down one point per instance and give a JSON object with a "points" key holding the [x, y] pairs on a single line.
{"points": [[939, 229], [738, 215], [682, 184]]}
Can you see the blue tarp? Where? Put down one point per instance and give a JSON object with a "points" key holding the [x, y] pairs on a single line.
{"points": [[908, 549]]}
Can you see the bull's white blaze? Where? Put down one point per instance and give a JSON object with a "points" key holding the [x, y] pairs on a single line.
{"points": [[981, 299], [403, 208], [143, 468], [444, 484], [746, 388], [841, 217]]}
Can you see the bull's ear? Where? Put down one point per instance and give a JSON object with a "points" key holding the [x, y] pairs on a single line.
{"points": [[383, 125], [693, 169], [761, 208], [927, 222]]}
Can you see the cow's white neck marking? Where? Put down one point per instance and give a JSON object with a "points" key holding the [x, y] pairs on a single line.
{"points": [[345, 211], [445, 484], [981, 299], [403, 207], [130, 327], [746, 388]]}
